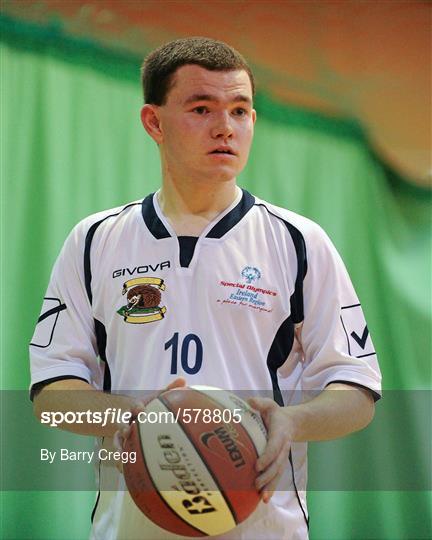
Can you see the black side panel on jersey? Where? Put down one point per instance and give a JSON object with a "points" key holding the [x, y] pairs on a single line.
{"points": [[101, 338], [279, 350], [233, 217], [100, 331], [284, 338], [297, 309]]}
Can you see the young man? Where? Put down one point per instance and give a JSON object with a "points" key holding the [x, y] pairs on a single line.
{"points": [[204, 281]]}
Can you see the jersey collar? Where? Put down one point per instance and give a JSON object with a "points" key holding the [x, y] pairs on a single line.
{"points": [[159, 228]]}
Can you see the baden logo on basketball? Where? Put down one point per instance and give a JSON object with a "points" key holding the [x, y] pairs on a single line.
{"points": [[197, 478], [171, 460]]}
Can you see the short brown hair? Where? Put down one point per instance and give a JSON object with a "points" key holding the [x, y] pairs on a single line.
{"points": [[160, 65]]}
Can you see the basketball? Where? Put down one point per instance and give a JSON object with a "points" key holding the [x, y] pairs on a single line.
{"points": [[195, 469]]}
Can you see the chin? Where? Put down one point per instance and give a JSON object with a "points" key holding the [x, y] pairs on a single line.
{"points": [[224, 178], [224, 174]]}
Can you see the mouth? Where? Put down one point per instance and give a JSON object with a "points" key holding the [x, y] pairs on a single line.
{"points": [[223, 151]]}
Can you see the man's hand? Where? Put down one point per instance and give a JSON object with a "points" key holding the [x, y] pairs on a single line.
{"points": [[273, 461], [338, 410], [122, 434]]}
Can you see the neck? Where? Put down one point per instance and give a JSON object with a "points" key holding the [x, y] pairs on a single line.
{"points": [[191, 206]]}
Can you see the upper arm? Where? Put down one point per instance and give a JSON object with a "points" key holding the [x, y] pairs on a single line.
{"points": [[64, 342], [42, 398], [335, 338]]}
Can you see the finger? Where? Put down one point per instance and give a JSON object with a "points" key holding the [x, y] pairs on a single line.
{"points": [[180, 382], [121, 435], [262, 404], [137, 408], [118, 441], [267, 476], [267, 495], [271, 451], [270, 488], [272, 470], [266, 407]]}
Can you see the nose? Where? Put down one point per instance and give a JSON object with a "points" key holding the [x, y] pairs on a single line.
{"points": [[222, 128]]}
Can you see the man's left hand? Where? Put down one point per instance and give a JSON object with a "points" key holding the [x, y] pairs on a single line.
{"points": [[272, 463]]}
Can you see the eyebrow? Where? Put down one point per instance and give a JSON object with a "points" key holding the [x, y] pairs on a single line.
{"points": [[239, 98]]}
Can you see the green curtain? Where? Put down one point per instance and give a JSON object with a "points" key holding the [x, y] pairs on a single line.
{"points": [[72, 144]]}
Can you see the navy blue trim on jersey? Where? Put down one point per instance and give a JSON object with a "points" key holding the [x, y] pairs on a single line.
{"points": [[159, 231], [87, 247], [296, 301], [99, 493], [374, 394], [233, 217], [346, 334], [37, 387], [101, 339], [278, 353], [284, 338], [96, 502], [187, 247], [351, 306], [100, 331], [87, 265], [152, 220], [364, 355], [51, 311], [306, 517]]}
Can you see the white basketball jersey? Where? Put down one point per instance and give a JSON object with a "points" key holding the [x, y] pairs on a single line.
{"points": [[261, 303]]}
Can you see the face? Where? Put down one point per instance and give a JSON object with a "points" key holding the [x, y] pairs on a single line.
{"points": [[205, 128]]}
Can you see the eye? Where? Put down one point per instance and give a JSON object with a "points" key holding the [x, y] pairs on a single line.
{"points": [[201, 109], [240, 111]]}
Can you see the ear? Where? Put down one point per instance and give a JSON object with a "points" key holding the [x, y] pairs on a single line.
{"points": [[254, 115], [151, 122]]}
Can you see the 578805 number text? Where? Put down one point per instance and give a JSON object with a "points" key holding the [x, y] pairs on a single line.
{"points": [[208, 416]]}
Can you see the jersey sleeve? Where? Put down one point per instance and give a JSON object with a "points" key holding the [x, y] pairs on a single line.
{"points": [[336, 342], [64, 342]]}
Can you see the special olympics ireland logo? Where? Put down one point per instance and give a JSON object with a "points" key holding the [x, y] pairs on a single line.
{"points": [[250, 274]]}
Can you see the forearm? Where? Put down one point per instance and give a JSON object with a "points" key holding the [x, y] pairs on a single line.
{"points": [[77, 396], [337, 411]]}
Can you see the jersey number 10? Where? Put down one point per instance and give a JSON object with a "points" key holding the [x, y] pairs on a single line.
{"points": [[189, 365]]}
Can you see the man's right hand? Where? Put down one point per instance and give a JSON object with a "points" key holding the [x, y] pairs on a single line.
{"points": [[123, 432]]}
